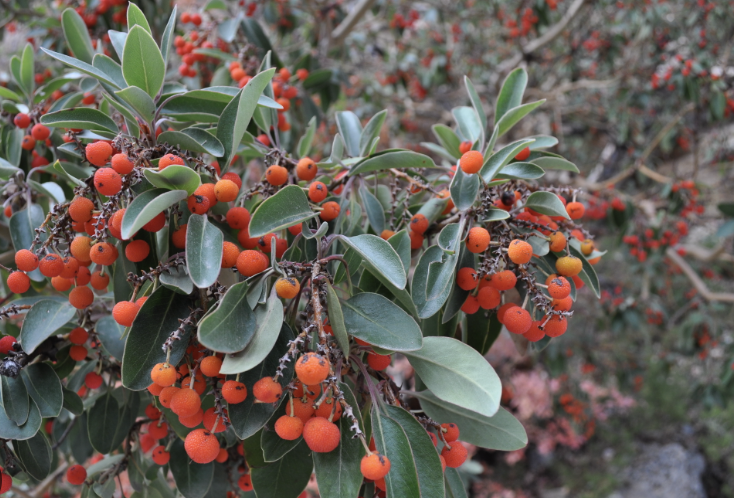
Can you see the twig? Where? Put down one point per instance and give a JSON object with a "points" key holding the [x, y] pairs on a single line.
{"points": [[693, 277], [345, 27]]}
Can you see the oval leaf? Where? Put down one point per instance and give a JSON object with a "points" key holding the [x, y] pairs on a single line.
{"points": [[43, 319], [380, 257], [194, 140], [546, 203], [464, 189], [287, 477], [231, 326], [11, 430], [147, 206], [81, 117], [391, 441], [269, 319], [380, 322], [511, 92], [193, 480], [35, 455], [142, 62], [497, 160], [286, 208], [14, 398], [77, 36], [514, 115], [555, 163], [521, 171], [102, 423], [203, 251], [399, 159], [44, 387]]}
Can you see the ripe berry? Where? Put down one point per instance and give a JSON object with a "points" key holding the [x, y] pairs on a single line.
{"points": [[226, 190], [245, 482], [125, 312], [167, 394], [83, 277], [230, 253], [378, 361], [488, 297], [81, 297], [18, 282], [517, 320], [534, 334], [137, 250], [210, 366], [312, 369], [317, 192], [93, 380], [471, 162], [196, 19], [559, 287], [266, 390], [77, 353], [51, 265], [40, 132], [329, 409], [193, 420], [62, 284], [416, 240], [450, 432], [99, 281], [160, 456], [306, 169], [289, 428], [386, 234], [6, 344], [477, 240], [233, 177], [76, 475], [568, 266], [186, 402], [168, 160], [22, 120], [587, 247], [520, 252], [98, 153], [25, 260], [455, 456], [419, 224], [78, 336], [465, 147], [330, 211], [276, 175], [198, 204], [374, 466], [163, 374], [213, 421], [6, 482], [321, 435], [122, 164], [523, 154], [80, 209], [556, 326], [156, 223], [238, 218], [28, 143], [503, 280], [557, 242], [234, 392], [103, 253], [178, 238], [575, 210], [471, 305], [107, 181], [564, 304], [251, 263], [287, 287], [158, 430]]}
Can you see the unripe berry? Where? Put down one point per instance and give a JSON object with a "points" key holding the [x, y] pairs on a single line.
{"points": [[25, 260], [51, 265], [330, 211], [18, 282], [471, 162], [450, 432], [251, 263], [266, 390], [81, 297], [517, 320], [238, 218], [321, 435], [76, 475], [124, 313], [374, 466], [520, 252], [107, 181], [276, 175], [122, 164], [80, 209], [160, 456], [163, 374], [186, 402], [226, 190], [312, 369], [168, 160], [378, 361], [419, 224], [306, 169], [98, 153], [289, 428], [210, 366], [477, 240], [559, 287], [201, 446], [587, 247], [568, 266], [287, 287], [317, 192], [234, 392], [456, 456], [137, 250]]}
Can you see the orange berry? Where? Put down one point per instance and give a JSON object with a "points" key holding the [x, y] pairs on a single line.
{"points": [[575, 210], [168, 160], [450, 432], [178, 238], [107, 181], [81, 297], [245, 482], [226, 190], [137, 250], [306, 169], [312, 368], [266, 390], [166, 395], [471, 305], [40, 132], [301, 409], [234, 392], [419, 224], [534, 333], [520, 252], [378, 361], [80, 248], [51, 265], [103, 253], [559, 287], [156, 223], [238, 218], [28, 143], [199, 383], [193, 420], [503, 280], [386, 234], [374, 466], [466, 278], [317, 192], [62, 284], [77, 353], [98, 153], [465, 147], [471, 162], [80, 209], [76, 475], [163, 374], [276, 175], [456, 456], [556, 326], [557, 242], [287, 287], [83, 276], [564, 304], [93, 380], [251, 263], [201, 446], [523, 154], [186, 402], [198, 204], [78, 336], [230, 253], [22, 120], [568, 266], [99, 281], [18, 282], [587, 247], [416, 240], [488, 297], [223, 456], [330, 211], [71, 267], [210, 366], [25, 260], [517, 320], [321, 435], [125, 312], [289, 428], [477, 240], [122, 164], [211, 419], [160, 456]]}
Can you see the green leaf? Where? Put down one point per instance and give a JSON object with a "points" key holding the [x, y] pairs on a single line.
{"points": [[9, 94], [336, 318], [351, 131], [546, 203], [203, 252], [371, 132], [81, 117], [391, 441], [395, 158], [286, 208], [477, 104], [726, 208], [138, 100], [269, 321], [448, 139], [42, 321], [73, 402], [373, 208], [177, 280], [230, 327], [543, 142], [514, 115], [110, 334], [77, 36], [555, 163], [26, 69], [464, 189], [194, 140], [135, 17], [102, 423], [285, 478], [147, 206], [501, 431], [156, 320], [429, 293], [588, 274], [380, 257], [521, 171], [142, 62], [273, 446], [193, 480], [511, 93], [495, 215], [11, 430], [458, 374], [23, 224], [111, 69], [15, 71], [380, 322], [401, 243], [468, 122], [449, 239], [44, 387], [168, 34], [497, 160], [14, 399], [304, 143], [482, 331], [83, 67], [237, 114], [454, 485], [35, 455], [174, 177]]}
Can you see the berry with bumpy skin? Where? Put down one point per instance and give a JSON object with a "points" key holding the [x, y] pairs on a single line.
{"points": [[312, 368], [80, 209], [419, 224], [489, 297], [51, 265], [226, 190], [122, 164], [465, 147], [18, 282], [287, 287], [25, 260], [276, 175], [471, 162], [158, 430], [223, 456], [81, 297], [534, 333], [61, 284], [234, 392], [99, 281], [523, 154], [520, 252], [471, 305], [321, 435], [386, 234], [107, 181], [289, 428], [238, 218], [124, 313], [374, 466], [302, 409], [210, 366], [80, 248], [564, 304], [76, 475], [587, 247], [230, 253], [568, 266], [378, 361], [251, 263], [6, 344], [559, 287], [450, 432], [193, 420], [575, 210], [186, 402], [213, 421], [503, 280], [93, 380], [178, 238], [40, 132], [477, 240], [306, 169], [233, 177], [517, 320], [157, 223], [266, 390], [22, 120], [557, 242], [78, 336], [160, 456], [71, 267], [103, 253], [168, 160], [556, 326], [137, 250], [98, 153], [202, 446], [330, 211], [456, 456], [167, 394], [245, 482], [163, 374], [83, 277], [198, 204], [466, 278], [317, 192], [329, 409]]}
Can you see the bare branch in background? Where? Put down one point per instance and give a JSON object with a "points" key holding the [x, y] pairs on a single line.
{"points": [[699, 284]]}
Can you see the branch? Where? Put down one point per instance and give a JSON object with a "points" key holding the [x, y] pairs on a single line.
{"points": [[344, 28], [556, 29], [693, 277], [708, 255]]}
